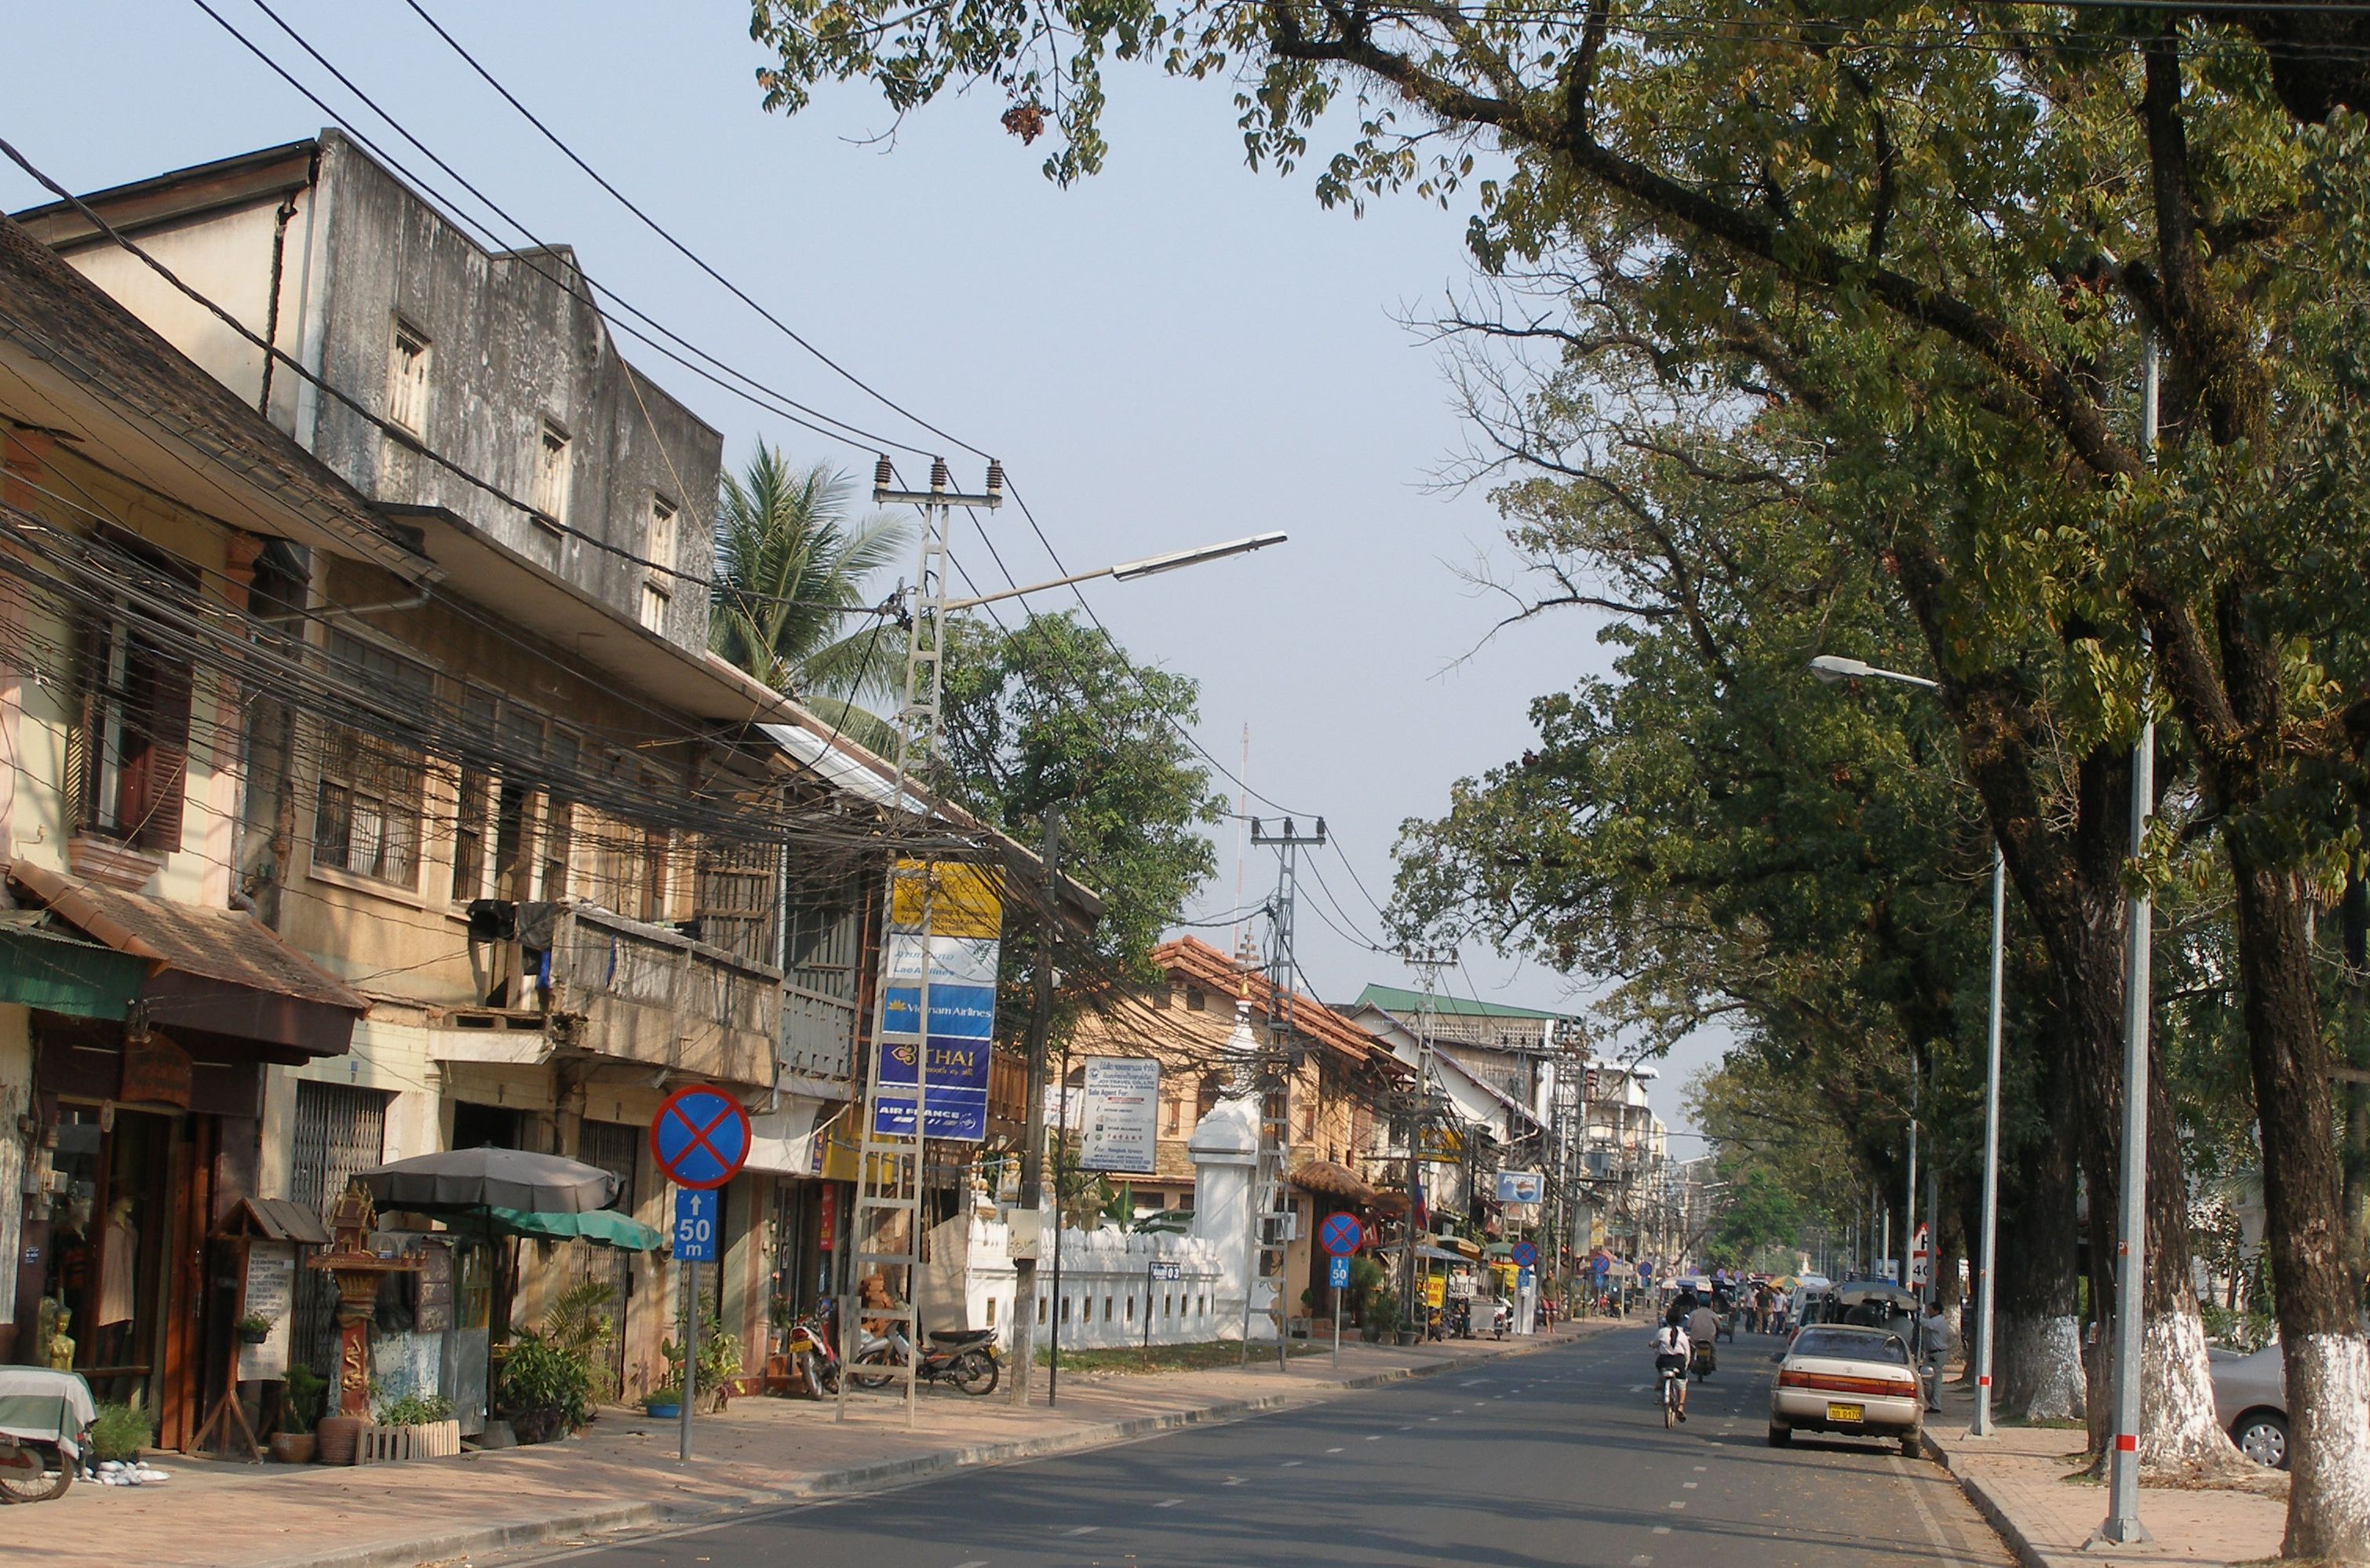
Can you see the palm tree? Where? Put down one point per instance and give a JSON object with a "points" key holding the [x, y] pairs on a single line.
{"points": [[790, 574]]}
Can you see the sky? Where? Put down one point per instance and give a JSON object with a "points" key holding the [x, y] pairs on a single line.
{"points": [[1176, 351]]}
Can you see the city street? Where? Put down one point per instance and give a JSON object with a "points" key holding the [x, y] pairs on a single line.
{"points": [[1554, 1458]]}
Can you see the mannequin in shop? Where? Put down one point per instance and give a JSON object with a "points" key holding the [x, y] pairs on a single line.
{"points": [[119, 1271]]}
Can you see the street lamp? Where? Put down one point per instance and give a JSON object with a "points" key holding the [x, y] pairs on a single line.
{"points": [[1831, 668], [1130, 571]]}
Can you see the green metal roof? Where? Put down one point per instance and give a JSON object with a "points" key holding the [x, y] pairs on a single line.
{"points": [[62, 974], [1398, 999]]}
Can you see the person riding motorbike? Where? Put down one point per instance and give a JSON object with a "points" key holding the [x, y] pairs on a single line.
{"points": [[1703, 1330], [1673, 1353]]}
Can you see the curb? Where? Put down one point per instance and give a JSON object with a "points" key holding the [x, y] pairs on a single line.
{"points": [[1996, 1512], [481, 1540]]}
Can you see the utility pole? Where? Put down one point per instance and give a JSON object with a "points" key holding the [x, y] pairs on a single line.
{"points": [[2122, 1525], [1429, 963], [1033, 1148], [1270, 1210], [893, 1165]]}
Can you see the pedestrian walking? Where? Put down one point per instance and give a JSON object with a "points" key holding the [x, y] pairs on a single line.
{"points": [[1933, 1349]]}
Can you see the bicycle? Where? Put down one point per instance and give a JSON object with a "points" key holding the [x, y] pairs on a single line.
{"points": [[1674, 1381]]}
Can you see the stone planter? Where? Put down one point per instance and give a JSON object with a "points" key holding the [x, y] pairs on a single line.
{"points": [[292, 1448]]}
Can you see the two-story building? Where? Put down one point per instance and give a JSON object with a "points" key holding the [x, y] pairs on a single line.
{"points": [[145, 1009], [505, 798]]}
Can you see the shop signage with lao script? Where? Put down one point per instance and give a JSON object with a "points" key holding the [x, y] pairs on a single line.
{"points": [[1123, 1103]]}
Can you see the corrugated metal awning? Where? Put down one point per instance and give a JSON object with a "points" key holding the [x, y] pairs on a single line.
{"points": [[218, 971]]}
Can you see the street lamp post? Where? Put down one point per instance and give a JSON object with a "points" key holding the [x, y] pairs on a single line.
{"points": [[1832, 668]]}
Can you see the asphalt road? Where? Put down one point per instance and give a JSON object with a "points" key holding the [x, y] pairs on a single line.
{"points": [[1547, 1460]]}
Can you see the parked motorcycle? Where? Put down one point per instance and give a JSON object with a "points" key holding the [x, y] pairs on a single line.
{"points": [[965, 1358], [813, 1350], [44, 1432], [1501, 1318]]}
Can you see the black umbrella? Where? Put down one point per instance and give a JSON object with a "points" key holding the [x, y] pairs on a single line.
{"points": [[472, 1179]]}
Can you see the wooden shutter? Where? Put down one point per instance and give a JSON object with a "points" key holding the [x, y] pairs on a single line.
{"points": [[153, 819]]}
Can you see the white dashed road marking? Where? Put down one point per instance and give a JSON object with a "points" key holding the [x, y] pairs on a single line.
{"points": [[1662, 1530], [1332, 1450], [1170, 1502], [1082, 1529], [1675, 1504]]}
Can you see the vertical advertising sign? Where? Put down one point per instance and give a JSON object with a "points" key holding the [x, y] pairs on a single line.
{"points": [[956, 963], [1123, 1103]]}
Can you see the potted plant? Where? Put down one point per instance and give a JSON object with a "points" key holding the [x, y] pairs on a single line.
{"points": [[663, 1403], [253, 1329], [545, 1388], [423, 1428], [292, 1443]]}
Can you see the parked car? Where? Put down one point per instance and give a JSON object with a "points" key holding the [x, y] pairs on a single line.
{"points": [[2250, 1400], [1847, 1379]]}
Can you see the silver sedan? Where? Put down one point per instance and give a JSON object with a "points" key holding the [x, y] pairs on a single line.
{"points": [[1841, 1377]]}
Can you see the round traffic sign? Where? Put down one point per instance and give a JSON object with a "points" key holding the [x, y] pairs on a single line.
{"points": [[1341, 1234], [1525, 1255], [700, 1138]]}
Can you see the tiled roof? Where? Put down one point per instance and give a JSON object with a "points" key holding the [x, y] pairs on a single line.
{"points": [[1193, 961]]}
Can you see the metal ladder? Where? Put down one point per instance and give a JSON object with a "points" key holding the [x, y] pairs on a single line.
{"points": [[1273, 1213]]}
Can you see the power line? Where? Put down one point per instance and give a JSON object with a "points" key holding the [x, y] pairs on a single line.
{"points": [[685, 251], [855, 435], [338, 395]]}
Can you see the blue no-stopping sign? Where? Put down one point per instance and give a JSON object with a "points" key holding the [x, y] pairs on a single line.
{"points": [[700, 1138]]}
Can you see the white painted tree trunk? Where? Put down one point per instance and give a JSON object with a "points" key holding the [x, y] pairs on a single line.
{"points": [[2041, 1369], [2180, 1433], [2329, 1447]]}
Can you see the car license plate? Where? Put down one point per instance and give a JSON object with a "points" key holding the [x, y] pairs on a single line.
{"points": [[1847, 1412]]}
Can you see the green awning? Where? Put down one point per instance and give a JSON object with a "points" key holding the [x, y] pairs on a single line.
{"points": [[60, 974], [604, 1227]]}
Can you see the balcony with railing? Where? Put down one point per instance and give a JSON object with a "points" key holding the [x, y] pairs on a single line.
{"points": [[818, 1036], [635, 992]]}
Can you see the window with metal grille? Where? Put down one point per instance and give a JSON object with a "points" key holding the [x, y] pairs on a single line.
{"points": [[340, 1132]]}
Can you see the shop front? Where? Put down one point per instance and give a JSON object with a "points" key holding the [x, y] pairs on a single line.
{"points": [[145, 1104]]}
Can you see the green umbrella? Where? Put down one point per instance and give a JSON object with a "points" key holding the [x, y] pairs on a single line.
{"points": [[604, 1227]]}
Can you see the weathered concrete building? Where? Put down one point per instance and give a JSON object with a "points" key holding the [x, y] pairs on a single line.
{"points": [[451, 364]]}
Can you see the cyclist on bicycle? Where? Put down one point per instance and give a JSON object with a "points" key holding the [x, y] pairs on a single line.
{"points": [[1673, 1350]]}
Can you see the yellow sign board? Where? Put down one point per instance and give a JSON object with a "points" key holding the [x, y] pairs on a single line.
{"points": [[1436, 1290], [1442, 1145], [963, 899]]}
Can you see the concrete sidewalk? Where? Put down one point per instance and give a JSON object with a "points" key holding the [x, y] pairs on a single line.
{"points": [[2018, 1480], [621, 1472]]}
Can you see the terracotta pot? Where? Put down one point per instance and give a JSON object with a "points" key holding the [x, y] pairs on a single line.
{"points": [[292, 1447], [337, 1436]]}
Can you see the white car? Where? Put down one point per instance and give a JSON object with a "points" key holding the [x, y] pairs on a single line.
{"points": [[1841, 1377]]}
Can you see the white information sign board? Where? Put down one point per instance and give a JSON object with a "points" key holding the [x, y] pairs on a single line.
{"points": [[1117, 1124], [271, 1293]]}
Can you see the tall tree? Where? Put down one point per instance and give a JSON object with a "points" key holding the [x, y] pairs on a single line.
{"points": [[793, 572], [1052, 713], [1945, 227]]}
